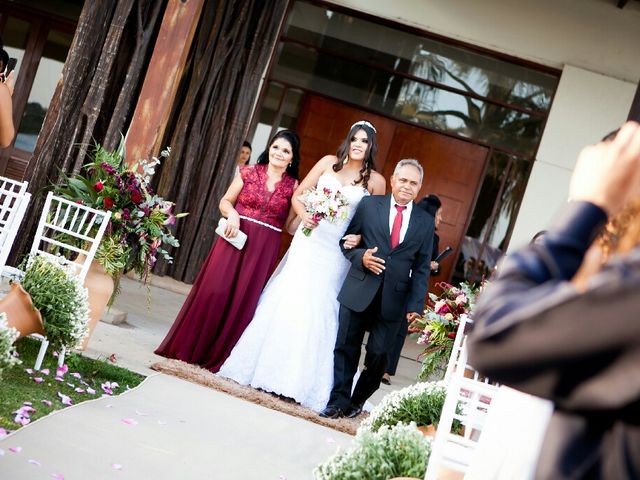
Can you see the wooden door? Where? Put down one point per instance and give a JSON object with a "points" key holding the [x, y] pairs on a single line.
{"points": [[453, 168]]}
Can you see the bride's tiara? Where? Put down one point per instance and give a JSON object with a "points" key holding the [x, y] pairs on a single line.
{"points": [[364, 122]]}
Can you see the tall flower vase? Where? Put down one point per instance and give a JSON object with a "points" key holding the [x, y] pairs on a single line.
{"points": [[100, 286], [21, 314]]}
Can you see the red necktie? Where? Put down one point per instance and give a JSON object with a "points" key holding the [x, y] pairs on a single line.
{"points": [[397, 226]]}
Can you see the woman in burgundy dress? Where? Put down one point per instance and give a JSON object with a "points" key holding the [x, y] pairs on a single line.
{"points": [[224, 296]]}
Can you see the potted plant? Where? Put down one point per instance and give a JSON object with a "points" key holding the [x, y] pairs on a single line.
{"points": [[8, 335], [420, 403], [400, 451], [58, 294], [139, 229], [437, 328]]}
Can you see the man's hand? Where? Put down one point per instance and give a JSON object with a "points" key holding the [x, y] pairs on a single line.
{"points": [[434, 266], [411, 316], [608, 174], [375, 264], [351, 241]]}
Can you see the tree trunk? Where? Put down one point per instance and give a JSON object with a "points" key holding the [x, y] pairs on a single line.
{"points": [[93, 96], [211, 117]]}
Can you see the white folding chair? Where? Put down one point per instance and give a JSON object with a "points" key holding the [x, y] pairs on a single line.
{"points": [[468, 399], [13, 205], [66, 229]]}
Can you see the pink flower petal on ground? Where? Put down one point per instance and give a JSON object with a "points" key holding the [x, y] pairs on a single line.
{"points": [[21, 420], [15, 449], [45, 371], [62, 370], [142, 414], [108, 406], [48, 403], [79, 390], [35, 463], [71, 385], [3, 433], [65, 399], [57, 476], [59, 379], [129, 421], [27, 403], [76, 375], [116, 466], [29, 370], [91, 391], [55, 353], [38, 379], [282, 477]]}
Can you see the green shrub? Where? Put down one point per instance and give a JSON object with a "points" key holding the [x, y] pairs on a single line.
{"points": [[60, 297], [420, 403], [400, 451]]}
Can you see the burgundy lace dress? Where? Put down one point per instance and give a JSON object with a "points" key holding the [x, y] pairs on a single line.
{"points": [[225, 294]]}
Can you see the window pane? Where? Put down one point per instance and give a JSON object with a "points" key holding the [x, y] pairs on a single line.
{"points": [[407, 99], [44, 85], [14, 36], [422, 57]]}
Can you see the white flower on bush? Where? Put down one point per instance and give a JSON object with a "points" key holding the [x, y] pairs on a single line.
{"points": [[421, 403], [8, 335]]}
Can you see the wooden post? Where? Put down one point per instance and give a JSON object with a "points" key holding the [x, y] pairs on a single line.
{"points": [[165, 69]]}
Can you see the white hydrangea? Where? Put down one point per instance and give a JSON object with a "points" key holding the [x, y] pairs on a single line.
{"points": [[8, 335]]}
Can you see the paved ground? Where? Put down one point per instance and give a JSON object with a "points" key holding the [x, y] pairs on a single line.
{"points": [[173, 429]]}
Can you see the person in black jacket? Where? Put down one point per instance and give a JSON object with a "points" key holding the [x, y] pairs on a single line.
{"points": [[385, 286], [433, 206], [560, 323]]}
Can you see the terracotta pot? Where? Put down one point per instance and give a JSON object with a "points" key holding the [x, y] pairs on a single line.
{"points": [[427, 430], [20, 311], [100, 286]]}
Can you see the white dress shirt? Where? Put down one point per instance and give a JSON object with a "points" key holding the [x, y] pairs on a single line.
{"points": [[406, 214]]}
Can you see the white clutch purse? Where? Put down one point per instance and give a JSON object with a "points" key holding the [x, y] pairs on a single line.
{"points": [[238, 241]]}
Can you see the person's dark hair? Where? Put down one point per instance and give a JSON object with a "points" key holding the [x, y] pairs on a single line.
{"points": [[370, 155], [431, 204], [247, 144], [292, 138], [611, 135]]}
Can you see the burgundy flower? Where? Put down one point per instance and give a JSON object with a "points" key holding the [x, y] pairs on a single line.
{"points": [[126, 214], [136, 197], [108, 203], [98, 186]]}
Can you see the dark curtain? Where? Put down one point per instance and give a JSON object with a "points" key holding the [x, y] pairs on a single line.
{"points": [[96, 96], [211, 116]]}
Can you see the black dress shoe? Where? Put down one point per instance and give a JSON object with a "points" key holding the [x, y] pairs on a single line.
{"points": [[353, 411], [331, 412], [386, 381]]}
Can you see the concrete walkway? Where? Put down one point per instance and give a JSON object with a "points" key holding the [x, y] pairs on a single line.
{"points": [[173, 429]]}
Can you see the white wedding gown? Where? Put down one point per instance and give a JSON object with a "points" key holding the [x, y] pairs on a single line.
{"points": [[288, 346]]}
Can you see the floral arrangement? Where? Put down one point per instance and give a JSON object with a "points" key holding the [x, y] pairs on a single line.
{"points": [[324, 204], [437, 328], [8, 336], [420, 403], [400, 451], [140, 220], [58, 293]]}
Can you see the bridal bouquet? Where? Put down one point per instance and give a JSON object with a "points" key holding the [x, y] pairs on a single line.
{"points": [[324, 204]]}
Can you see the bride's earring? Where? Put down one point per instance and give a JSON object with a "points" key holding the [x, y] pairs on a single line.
{"points": [[346, 160], [289, 164]]}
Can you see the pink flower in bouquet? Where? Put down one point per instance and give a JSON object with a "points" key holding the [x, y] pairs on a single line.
{"points": [[325, 204], [98, 186]]}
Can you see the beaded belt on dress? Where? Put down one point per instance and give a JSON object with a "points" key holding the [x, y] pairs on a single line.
{"points": [[261, 223]]}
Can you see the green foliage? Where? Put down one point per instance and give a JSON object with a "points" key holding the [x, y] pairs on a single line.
{"points": [[18, 386], [61, 299], [400, 451], [420, 403]]}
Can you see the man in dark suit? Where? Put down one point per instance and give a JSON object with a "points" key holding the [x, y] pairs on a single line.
{"points": [[386, 285]]}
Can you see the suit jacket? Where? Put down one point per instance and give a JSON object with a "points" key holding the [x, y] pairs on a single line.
{"points": [[535, 332], [404, 281]]}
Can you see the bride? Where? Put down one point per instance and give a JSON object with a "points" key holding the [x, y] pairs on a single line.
{"points": [[288, 346]]}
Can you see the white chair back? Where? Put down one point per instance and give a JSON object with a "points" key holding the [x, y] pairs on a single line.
{"points": [[67, 228], [469, 396], [14, 200]]}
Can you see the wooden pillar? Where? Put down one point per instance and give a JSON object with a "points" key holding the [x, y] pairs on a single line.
{"points": [[165, 69], [634, 112]]}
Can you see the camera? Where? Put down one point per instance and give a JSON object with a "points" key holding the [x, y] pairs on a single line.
{"points": [[9, 67]]}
